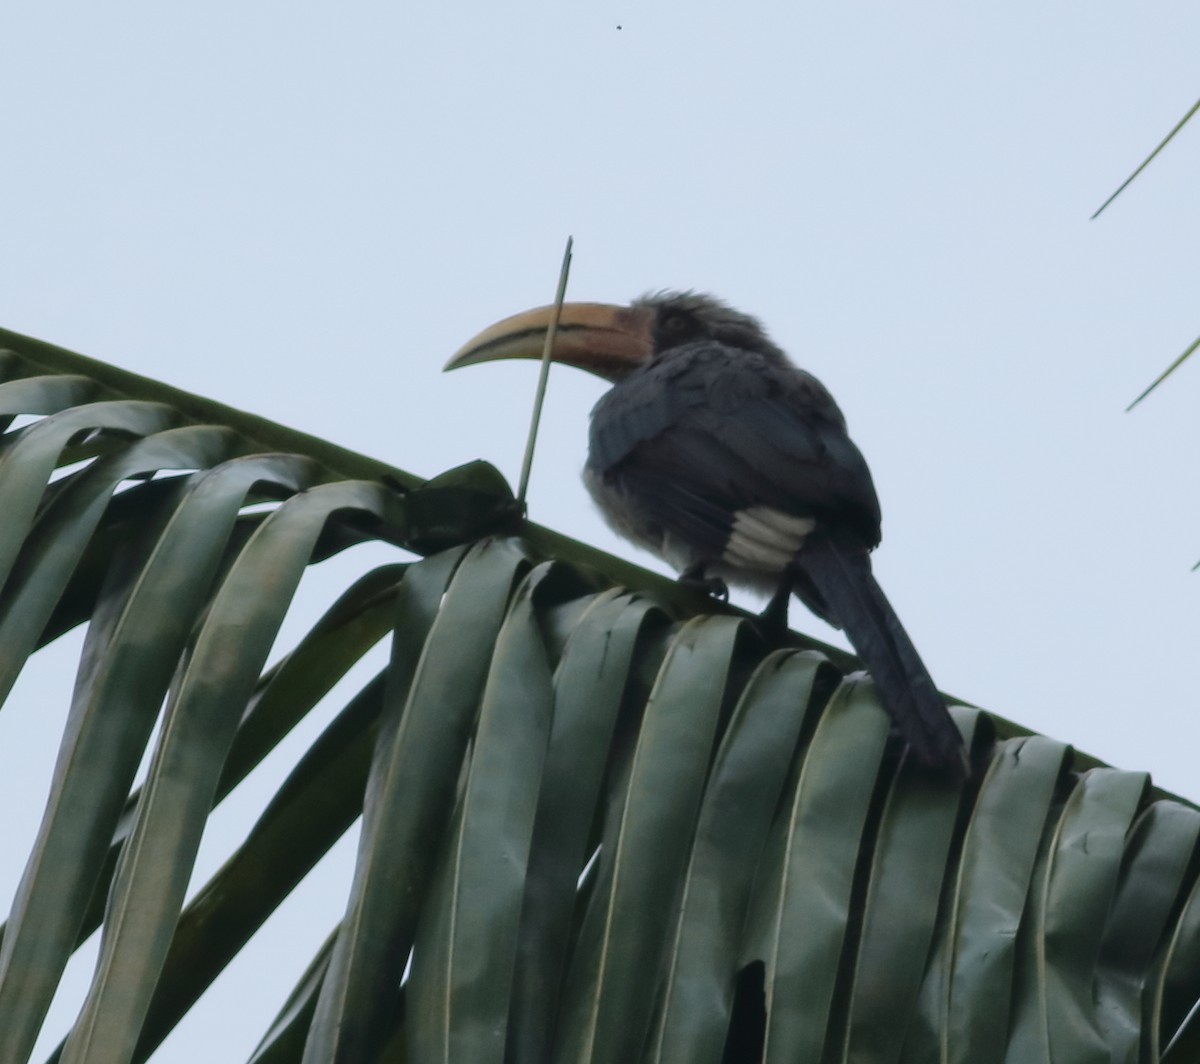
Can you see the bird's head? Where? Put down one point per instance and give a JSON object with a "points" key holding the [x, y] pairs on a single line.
{"points": [[612, 341]]}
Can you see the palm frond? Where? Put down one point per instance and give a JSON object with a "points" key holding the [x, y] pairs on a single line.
{"points": [[601, 819]]}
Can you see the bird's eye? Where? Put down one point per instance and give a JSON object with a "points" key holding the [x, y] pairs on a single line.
{"points": [[675, 328]]}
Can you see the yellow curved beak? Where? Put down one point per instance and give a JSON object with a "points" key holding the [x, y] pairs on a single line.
{"points": [[598, 337]]}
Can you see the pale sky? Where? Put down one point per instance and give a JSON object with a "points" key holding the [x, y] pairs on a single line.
{"points": [[302, 209]]}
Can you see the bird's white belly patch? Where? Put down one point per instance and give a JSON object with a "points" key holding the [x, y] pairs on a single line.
{"points": [[763, 538]]}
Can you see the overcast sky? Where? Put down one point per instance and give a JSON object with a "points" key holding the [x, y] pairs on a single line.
{"points": [[302, 209]]}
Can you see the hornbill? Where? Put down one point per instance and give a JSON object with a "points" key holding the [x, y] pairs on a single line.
{"points": [[713, 451]]}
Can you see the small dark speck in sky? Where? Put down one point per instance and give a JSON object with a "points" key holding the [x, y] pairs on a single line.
{"points": [[618, 27]]}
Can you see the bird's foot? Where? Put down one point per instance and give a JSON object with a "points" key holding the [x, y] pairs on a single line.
{"points": [[772, 623], [694, 578]]}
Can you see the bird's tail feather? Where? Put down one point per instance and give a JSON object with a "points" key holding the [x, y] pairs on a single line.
{"points": [[842, 576]]}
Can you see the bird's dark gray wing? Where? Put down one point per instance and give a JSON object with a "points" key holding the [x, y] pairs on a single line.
{"points": [[705, 438], [706, 432]]}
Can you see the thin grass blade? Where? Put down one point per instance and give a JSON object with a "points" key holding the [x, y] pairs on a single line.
{"points": [[1191, 348], [1149, 158]]}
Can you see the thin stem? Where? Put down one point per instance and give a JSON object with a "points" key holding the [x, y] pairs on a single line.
{"points": [[1146, 162], [1165, 373], [544, 375]]}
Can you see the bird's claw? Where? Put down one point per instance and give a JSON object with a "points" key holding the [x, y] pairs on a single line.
{"points": [[695, 579], [772, 623], [708, 585]]}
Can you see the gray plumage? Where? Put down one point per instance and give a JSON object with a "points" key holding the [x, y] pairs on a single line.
{"points": [[723, 458]]}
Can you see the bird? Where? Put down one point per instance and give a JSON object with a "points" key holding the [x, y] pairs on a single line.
{"points": [[715, 452]]}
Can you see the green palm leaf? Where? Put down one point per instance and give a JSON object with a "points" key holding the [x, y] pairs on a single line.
{"points": [[601, 821]]}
